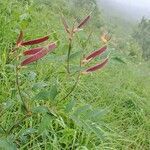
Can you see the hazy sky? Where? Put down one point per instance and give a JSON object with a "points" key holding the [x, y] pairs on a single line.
{"points": [[137, 3], [134, 9]]}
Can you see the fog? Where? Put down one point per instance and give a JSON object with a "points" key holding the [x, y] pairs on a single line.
{"points": [[135, 3], [128, 9]]}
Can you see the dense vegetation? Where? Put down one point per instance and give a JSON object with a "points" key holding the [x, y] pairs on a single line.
{"points": [[108, 109], [142, 35]]}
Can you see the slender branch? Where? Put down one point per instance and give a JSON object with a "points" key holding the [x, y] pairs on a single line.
{"points": [[70, 36], [2, 128], [86, 42], [88, 39], [18, 122], [72, 89], [68, 56], [19, 91]]}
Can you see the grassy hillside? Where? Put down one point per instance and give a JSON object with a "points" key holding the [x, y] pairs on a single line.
{"points": [[108, 109]]}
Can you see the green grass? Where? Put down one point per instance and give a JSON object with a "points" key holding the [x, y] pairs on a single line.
{"points": [[108, 110]]}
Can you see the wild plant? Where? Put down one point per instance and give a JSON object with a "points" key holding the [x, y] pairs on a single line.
{"points": [[22, 59]]}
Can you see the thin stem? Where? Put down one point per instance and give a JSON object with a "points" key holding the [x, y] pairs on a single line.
{"points": [[72, 89], [88, 39], [2, 128], [68, 57], [19, 91], [86, 42], [17, 123], [71, 34]]}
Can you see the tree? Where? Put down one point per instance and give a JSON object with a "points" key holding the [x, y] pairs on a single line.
{"points": [[142, 36]]}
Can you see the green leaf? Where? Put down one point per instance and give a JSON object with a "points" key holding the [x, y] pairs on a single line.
{"points": [[42, 95], [40, 109], [8, 104], [45, 123], [53, 92], [120, 60], [47, 94], [6, 144], [28, 131], [24, 17], [76, 68], [54, 59], [70, 106], [75, 55], [81, 110], [39, 85], [1, 131], [95, 115], [31, 75], [95, 129]]}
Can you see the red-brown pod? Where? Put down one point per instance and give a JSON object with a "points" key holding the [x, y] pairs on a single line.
{"points": [[96, 67], [39, 55], [32, 51], [35, 41], [94, 54], [83, 22]]}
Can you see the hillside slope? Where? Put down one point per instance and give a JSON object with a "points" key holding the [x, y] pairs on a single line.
{"points": [[108, 109]]}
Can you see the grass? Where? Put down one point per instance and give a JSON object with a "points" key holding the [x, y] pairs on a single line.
{"points": [[108, 109]]}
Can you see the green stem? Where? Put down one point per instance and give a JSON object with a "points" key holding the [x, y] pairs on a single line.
{"points": [[17, 123], [3, 128], [72, 89], [68, 57], [19, 91]]}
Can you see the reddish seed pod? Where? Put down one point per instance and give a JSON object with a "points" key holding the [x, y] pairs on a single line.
{"points": [[20, 38], [83, 22], [39, 55], [94, 54], [96, 67], [36, 41], [32, 51]]}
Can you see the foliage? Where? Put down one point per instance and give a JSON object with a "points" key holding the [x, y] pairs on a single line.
{"points": [[142, 36], [108, 109]]}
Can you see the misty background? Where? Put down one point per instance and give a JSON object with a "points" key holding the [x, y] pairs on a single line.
{"points": [[129, 10]]}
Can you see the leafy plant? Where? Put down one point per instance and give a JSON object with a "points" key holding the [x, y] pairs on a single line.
{"points": [[24, 54], [141, 35]]}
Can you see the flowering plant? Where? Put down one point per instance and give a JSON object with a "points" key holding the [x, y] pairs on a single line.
{"points": [[31, 55]]}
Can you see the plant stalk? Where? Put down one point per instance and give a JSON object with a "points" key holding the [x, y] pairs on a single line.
{"points": [[19, 91], [73, 88], [18, 122], [68, 57], [3, 128]]}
